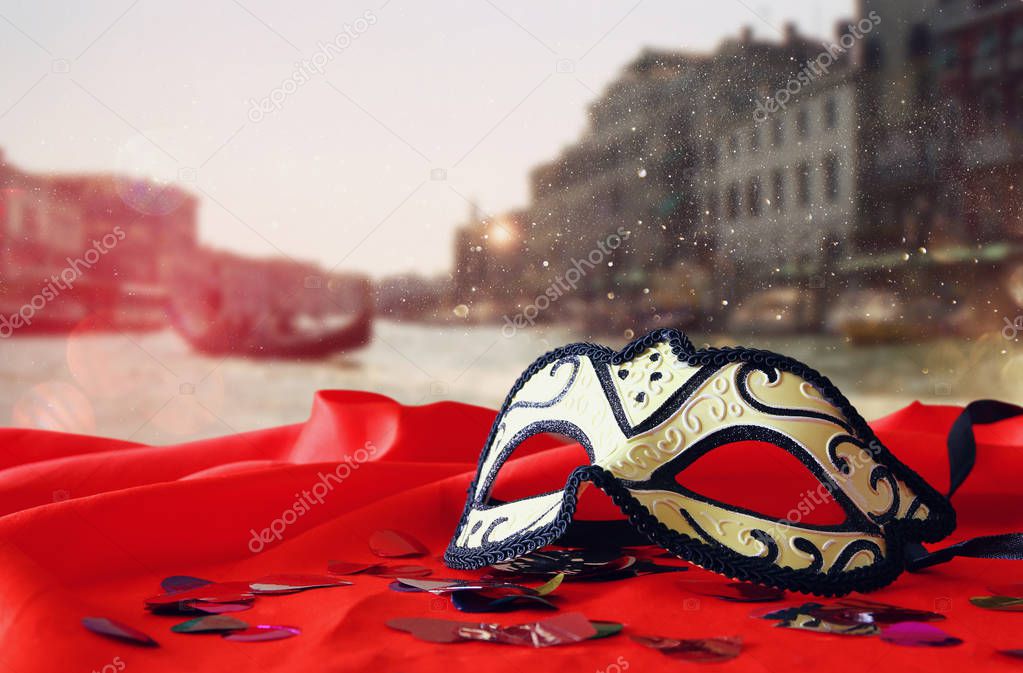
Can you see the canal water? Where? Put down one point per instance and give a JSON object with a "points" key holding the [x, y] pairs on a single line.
{"points": [[152, 388]]}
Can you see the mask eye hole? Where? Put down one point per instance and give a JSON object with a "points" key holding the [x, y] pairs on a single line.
{"points": [[525, 473], [764, 478]]}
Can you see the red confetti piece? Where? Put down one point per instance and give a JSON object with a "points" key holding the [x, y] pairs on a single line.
{"points": [[570, 627], [347, 567], [218, 592], [263, 633], [918, 634], [289, 583], [1000, 603], [220, 608], [210, 624], [377, 569], [399, 571], [706, 650], [395, 544], [112, 629], [177, 583]]}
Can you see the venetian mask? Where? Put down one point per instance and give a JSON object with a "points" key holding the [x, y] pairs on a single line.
{"points": [[645, 414]]}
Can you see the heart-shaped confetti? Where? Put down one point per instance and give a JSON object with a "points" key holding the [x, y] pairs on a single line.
{"points": [[1000, 603], [177, 583], [347, 567], [291, 583], [917, 634], [884, 613], [706, 650], [606, 629], [210, 624], [377, 569], [550, 585], [570, 627], [262, 633], [218, 592], [198, 608], [734, 592], [428, 629], [439, 586], [220, 608], [392, 571], [389, 543], [481, 601], [575, 564], [812, 623], [849, 612], [112, 629]]}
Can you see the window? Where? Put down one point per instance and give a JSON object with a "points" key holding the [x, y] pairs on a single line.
{"points": [[753, 197], [874, 59], [1018, 102], [779, 131], [987, 50], [802, 121], [948, 57], [831, 178], [830, 112], [755, 138], [712, 153], [778, 191], [733, 202], [712, 205], [803, 184], [991, 106], [919, 43]]}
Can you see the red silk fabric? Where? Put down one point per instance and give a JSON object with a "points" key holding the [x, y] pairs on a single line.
{"points": [[89, 527]]}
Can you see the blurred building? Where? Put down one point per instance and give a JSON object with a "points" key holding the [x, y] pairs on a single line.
{"points": [[630, 169], [887, 157], [124, 251], [778, 176], [159, 221], [979, 69], [654, 162], [37, 229]]}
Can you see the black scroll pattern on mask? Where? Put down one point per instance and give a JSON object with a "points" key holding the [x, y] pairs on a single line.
{"points": [[878, 473], [772, 373], [574, 361]]}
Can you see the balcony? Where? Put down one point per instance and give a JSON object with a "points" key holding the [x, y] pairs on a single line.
{"points": [[959, 15], [992, 148], [903, 160]]}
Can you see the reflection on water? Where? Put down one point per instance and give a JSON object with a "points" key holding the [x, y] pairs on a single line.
{"points": [[151, 388]]}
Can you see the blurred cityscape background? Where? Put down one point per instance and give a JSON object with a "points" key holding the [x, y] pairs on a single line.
{"points": [[852, 198]]}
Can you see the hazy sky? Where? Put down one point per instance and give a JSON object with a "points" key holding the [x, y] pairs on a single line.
{"points": [[341, 172]]}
